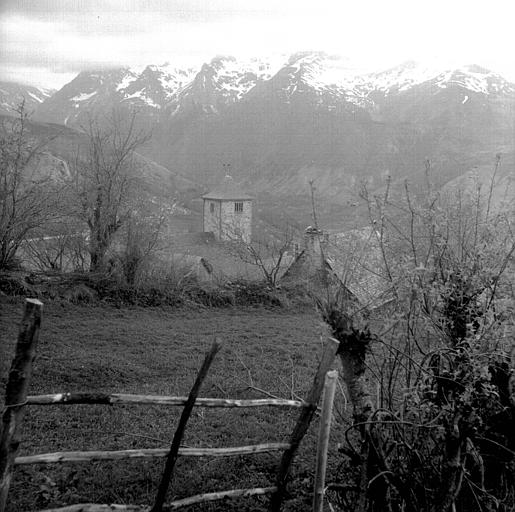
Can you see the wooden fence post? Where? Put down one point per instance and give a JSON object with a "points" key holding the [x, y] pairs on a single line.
{"points": [[323, 439], [177, 438], [301, 427], [16, 392]]}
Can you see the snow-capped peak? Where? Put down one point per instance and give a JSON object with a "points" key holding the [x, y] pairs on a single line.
{"points": [[129, 77], [332, 80], [401, 78], [225, 80], [476, 79], [328, 76], [410, 74], [236, 77], [320, 69], [154, 85]]}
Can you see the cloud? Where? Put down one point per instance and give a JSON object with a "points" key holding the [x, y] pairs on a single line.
{"points": [[64, 37]]}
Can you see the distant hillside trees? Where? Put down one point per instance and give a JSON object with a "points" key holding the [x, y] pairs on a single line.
{"points": [[29, 197], [104, 179]]}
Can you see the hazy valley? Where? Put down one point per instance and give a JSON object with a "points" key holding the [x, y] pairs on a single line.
{"points": [[276, 124]]}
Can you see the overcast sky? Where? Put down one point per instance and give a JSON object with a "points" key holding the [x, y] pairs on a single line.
{"points": [[47, 42]]}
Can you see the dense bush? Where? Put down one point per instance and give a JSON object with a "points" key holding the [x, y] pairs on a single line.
{"points": [[432, 381], [162, 290]]}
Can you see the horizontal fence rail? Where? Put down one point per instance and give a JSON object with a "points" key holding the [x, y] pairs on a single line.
{"points": [[147, 453], [121, 398], [17, 399], [214, 496], [174, 505]]}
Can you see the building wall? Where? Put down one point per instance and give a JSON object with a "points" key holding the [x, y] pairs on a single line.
{"points": [[232, 225], [236, 225], [212, 219]]}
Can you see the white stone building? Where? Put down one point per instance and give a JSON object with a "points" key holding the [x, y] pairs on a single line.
{"points": [[227, 212]]}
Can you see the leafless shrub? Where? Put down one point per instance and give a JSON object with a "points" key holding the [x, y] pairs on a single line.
{"points": [[29, 197], [438, 435], [60, 247], [270, 252], [140, 239]]}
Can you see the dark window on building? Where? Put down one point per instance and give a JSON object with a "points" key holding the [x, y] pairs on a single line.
{"points": [[238, 207], [212, 207]]}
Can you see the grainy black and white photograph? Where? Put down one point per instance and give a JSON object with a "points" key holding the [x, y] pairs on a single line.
{"points": [[257, 256]]}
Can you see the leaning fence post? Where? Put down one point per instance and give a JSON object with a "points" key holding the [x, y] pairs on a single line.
{"points": [[177, 438], [323, 439], [301, 427], [16, 392]]}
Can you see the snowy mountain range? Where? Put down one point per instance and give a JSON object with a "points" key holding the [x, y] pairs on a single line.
{"points": [[212, 87], [151, 89], [282, 121]]}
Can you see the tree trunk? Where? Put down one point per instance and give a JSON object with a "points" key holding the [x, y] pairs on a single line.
{"points": [[357, 386], [97, 254], [453, 468]]}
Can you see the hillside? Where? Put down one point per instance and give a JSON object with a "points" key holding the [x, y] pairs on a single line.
{"points": [[281, 122], [12, 94], [58, 148]]}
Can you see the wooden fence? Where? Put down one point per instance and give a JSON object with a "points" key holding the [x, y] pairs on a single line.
{"points": [[17, 400]]}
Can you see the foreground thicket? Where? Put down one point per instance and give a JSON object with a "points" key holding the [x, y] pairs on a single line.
{"points": [[430, 371]]}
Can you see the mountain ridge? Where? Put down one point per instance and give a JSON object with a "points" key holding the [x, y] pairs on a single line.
{"points": [[225, 80], [310, 115], [12, 94]]}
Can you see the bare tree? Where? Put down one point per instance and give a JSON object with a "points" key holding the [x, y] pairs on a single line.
{"points": [[28, 194], [268, 253], [140, 239], [104, 177], [59, 246]]}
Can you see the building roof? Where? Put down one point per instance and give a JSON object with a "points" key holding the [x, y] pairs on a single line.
{"points": [[352, 258], [355, 257], [228, 190]]}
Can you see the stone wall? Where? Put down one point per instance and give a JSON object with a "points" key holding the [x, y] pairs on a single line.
{"points": [[212, 219], [233, 224], [236, 225]]}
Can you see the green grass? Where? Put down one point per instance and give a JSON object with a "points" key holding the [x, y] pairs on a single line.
{"points": [[158, 351]]}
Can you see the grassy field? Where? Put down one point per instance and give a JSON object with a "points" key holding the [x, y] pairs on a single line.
{"points": [[157, 351]]}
